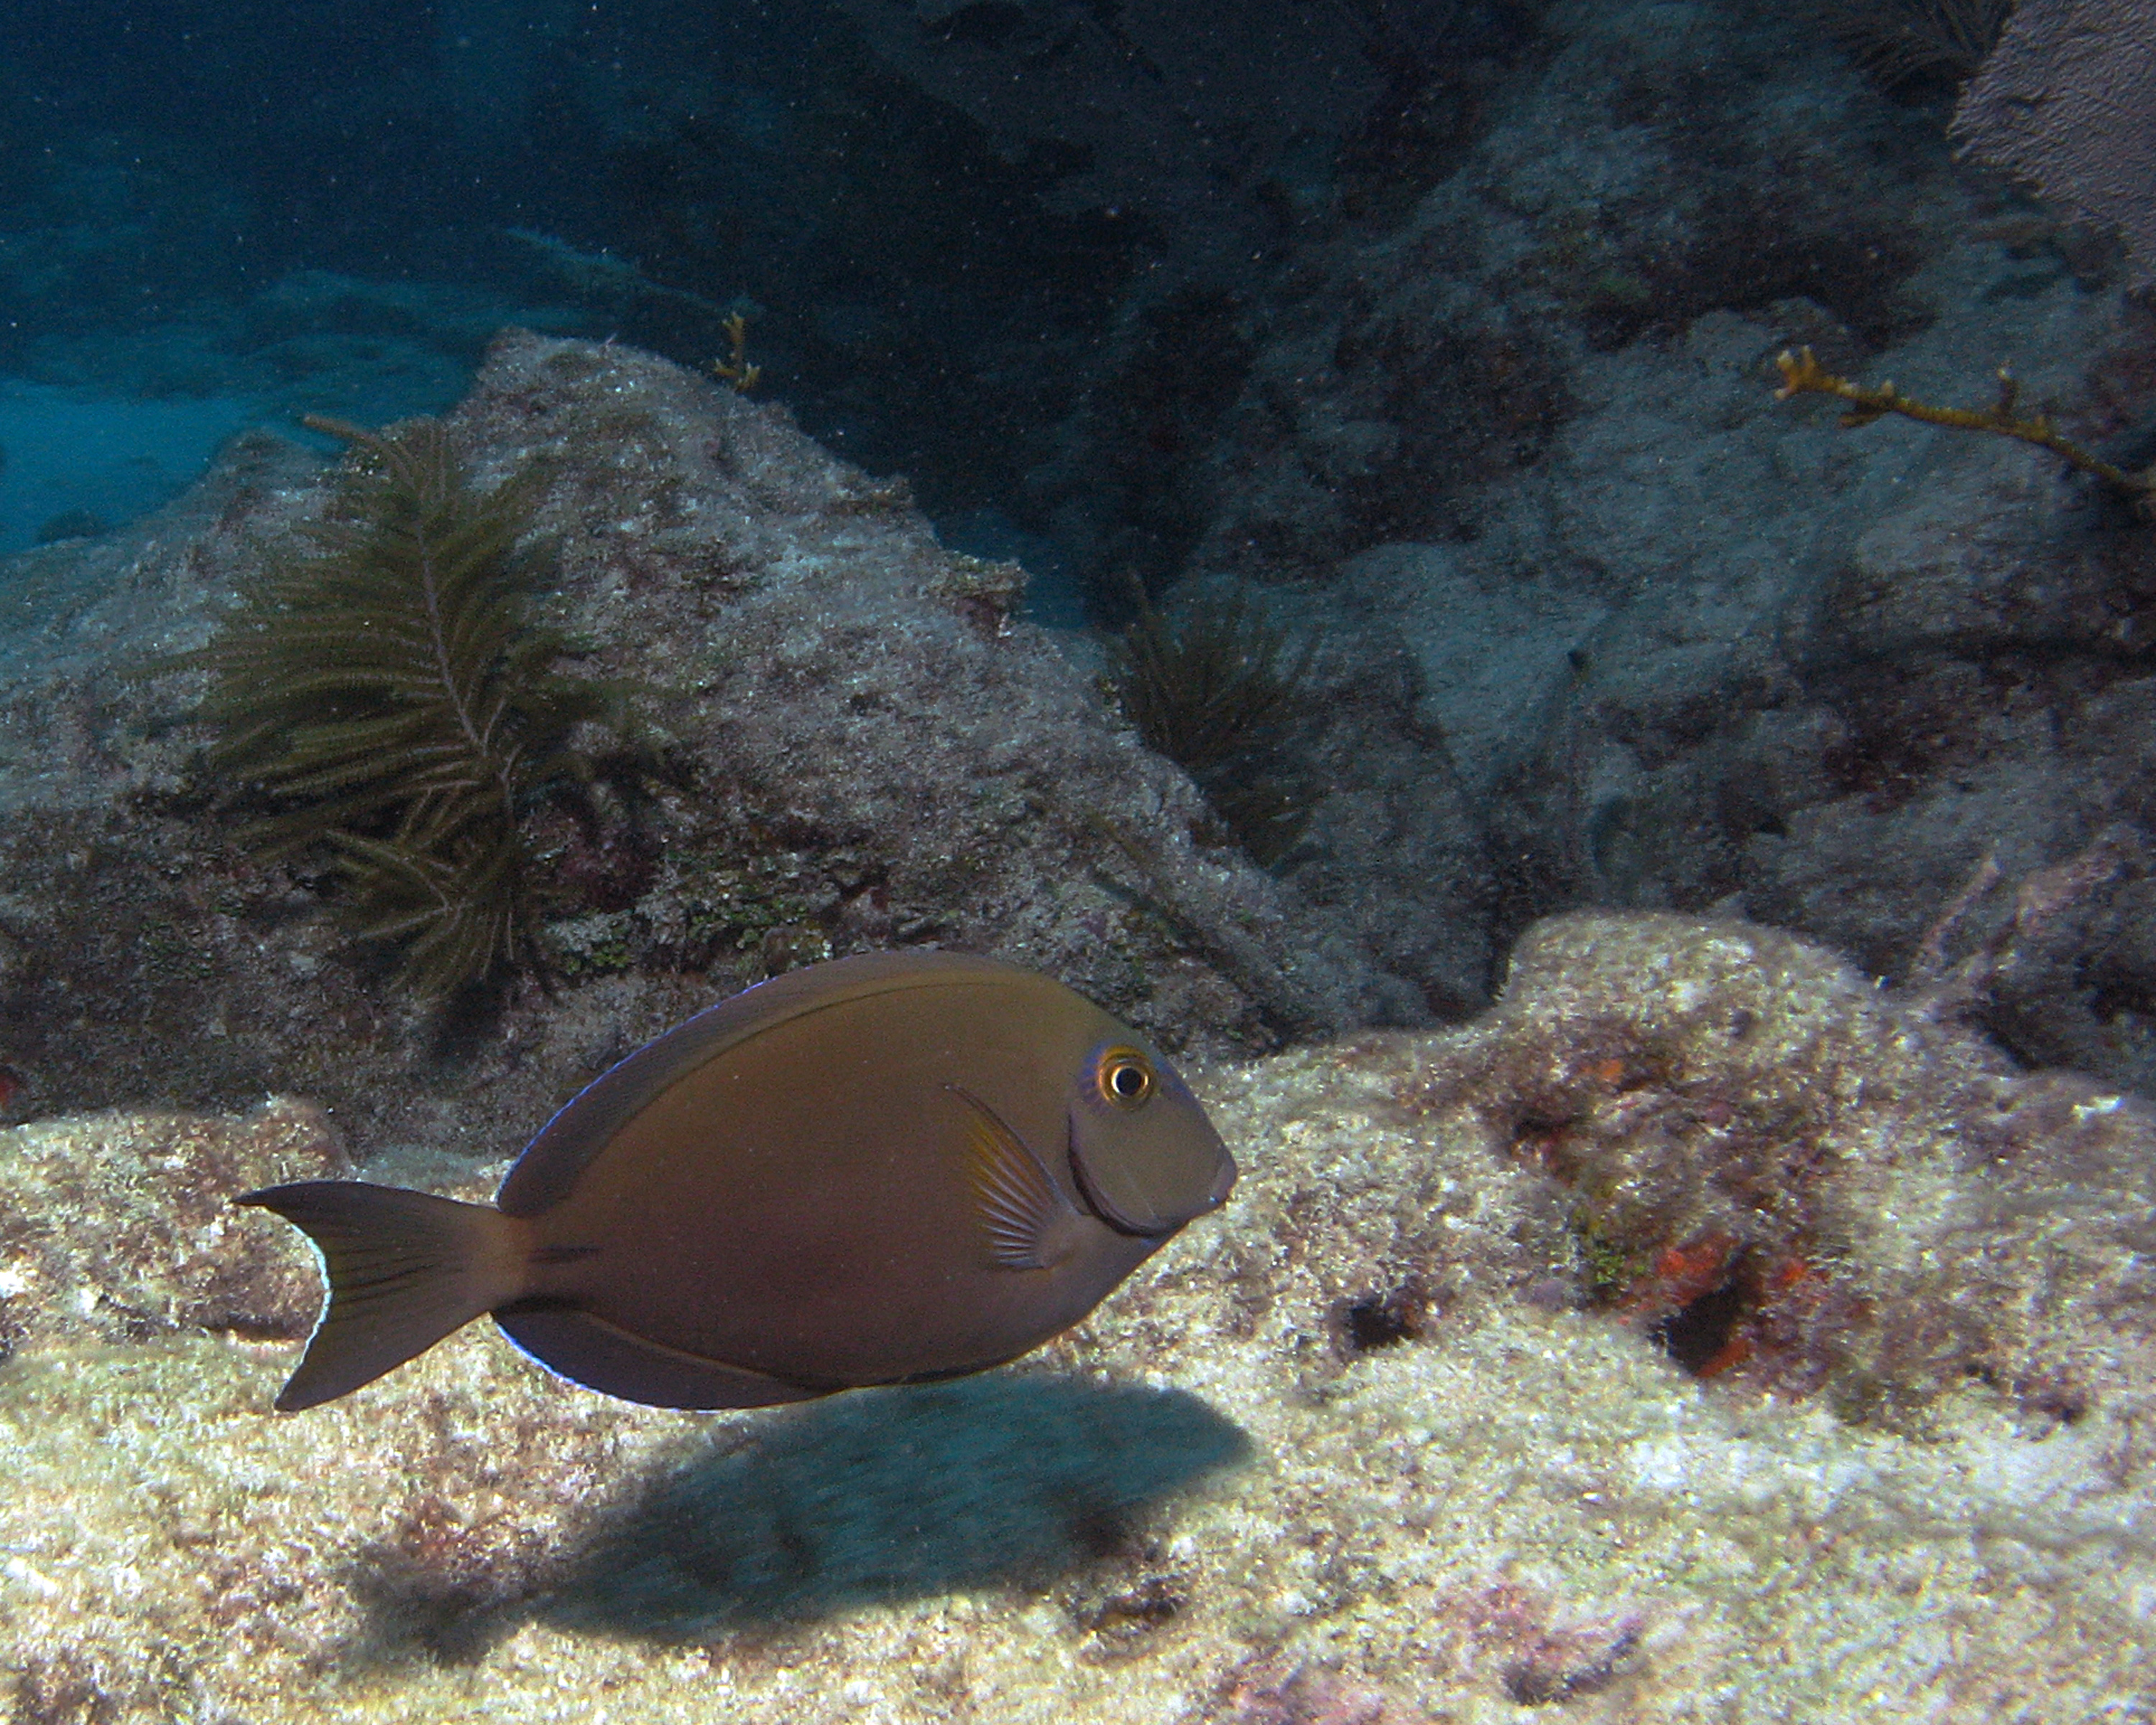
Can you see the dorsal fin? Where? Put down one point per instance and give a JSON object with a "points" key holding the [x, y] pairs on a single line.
{"points": [[588, 1122]]}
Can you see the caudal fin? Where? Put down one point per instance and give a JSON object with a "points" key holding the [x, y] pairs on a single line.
{"points": [[405, 1269]]}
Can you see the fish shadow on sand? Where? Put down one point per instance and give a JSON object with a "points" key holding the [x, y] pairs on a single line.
{"points": [[1015, 1479]]}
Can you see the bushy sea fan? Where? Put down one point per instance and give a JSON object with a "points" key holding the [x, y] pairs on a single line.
{"points": [[1222, 695], [1899, 40], [385, 687]]}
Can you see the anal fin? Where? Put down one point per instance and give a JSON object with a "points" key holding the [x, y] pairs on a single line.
{"points": [[604, 1357]]}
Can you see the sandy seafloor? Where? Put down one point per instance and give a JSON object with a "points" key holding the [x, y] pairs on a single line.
{"points": [[1224, 1496]]}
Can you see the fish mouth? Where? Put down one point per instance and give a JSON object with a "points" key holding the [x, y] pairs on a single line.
{"points": [[1224, 1182]]}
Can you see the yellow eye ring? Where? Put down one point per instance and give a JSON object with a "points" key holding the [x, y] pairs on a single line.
{"points": [[1124, 1078]]}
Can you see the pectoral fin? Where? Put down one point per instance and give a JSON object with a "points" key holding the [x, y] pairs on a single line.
{"points": [[1029, 1224]]}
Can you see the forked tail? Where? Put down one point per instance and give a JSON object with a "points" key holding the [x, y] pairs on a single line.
{"points": [[405, 1269]]}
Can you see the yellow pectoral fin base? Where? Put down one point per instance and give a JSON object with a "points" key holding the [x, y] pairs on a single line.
{"points": [[1029, 1222]]}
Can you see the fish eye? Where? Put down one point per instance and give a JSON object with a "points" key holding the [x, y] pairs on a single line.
{"points": [[1125, 1078]]}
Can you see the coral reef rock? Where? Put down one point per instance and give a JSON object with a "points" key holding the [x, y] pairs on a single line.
{"points": [[1605, 623], [868, 750], [118, 1227], [1703, 1334]]}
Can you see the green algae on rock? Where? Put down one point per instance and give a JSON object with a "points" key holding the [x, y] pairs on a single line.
{"points": [[1510, 1493]]}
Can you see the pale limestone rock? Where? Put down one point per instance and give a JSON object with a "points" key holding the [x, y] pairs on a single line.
{"points": [[1388, 1441]]}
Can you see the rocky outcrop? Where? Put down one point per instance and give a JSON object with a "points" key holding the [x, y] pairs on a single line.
{"points": [[1701, 1330]]}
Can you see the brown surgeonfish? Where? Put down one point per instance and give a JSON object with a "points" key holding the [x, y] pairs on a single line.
{"points": [[883, 1169]]}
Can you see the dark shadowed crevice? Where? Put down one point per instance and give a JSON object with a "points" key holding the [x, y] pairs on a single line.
{"points": [[1697, 1334]]}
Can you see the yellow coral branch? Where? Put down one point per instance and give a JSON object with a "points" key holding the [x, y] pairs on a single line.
{"points": [[736, 368], [1802, 374]]}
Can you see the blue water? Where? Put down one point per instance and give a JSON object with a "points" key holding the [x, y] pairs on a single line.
{"points": [[215, 215]]}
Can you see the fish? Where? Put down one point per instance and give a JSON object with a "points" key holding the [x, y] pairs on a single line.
{"points": [[890, 1168]]}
